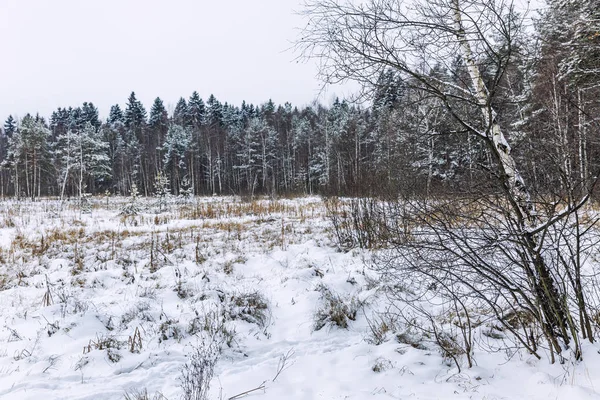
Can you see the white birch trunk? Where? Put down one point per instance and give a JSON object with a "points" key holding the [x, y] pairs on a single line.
{"points": [[515, 184]]}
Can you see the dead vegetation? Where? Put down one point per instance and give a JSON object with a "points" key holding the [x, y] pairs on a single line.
{"points": [[66, 258], [334, 310]]}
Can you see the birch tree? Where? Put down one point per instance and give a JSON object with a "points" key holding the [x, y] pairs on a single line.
{"points": [[359, 40]]}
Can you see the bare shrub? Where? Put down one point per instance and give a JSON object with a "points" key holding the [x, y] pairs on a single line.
{"points": [[334, 310], [169, 329], [4, 282], [47, 299], [212, 323], [140, 311], [197, 373], [142, 394], [414, 341], [251, 307], [69, 303], [182, 290], [362, 222], [135, 342], [379, 328], [110, 343]]}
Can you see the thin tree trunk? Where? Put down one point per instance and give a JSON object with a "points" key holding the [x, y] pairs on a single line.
{"points": [[543, 285]]}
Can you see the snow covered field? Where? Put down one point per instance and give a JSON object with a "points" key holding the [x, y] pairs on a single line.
{"points": [[97, 306]]}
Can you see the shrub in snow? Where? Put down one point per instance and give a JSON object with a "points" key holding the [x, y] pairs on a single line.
{"points": [[106, 342], [334, 310], [198, 372], [143, 395], [186, 191], [169, 329], [162, 192], [250, 307], [133, 206], [213, 324], [84, 204], [382, 364]]}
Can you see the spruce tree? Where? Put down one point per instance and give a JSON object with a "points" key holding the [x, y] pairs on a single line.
{"points": [[186, 190], [180, 113], [10, 126], [175, 147], [195, 111], [162, 191], [116, 115], [133, 206], [137, 143], [158, 124]]}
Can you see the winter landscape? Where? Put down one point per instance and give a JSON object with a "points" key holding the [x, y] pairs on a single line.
{"points": [[98, 305], [431, 231]]}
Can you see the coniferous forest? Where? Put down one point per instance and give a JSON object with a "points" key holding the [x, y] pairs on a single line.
{"points": [[403, 140]]}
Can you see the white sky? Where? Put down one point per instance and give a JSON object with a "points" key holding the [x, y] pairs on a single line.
{"points": [[60, 53], [64, 52]]}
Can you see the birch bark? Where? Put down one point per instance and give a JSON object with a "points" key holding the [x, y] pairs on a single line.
{"points": [[515, 185]]}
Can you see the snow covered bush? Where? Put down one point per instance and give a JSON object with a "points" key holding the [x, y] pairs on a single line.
{"points": [[162, 192], [197, 373], [251, 307], [212, 323], [334, 309], [358, 223], [133, 206], [109, 343]]}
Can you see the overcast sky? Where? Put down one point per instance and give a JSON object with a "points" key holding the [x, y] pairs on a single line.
{"points": [[64, 52], [60, 53]]}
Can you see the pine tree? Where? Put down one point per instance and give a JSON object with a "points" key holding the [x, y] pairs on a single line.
{"points": [[29, 155], [158, 125], [162, 191], [572, 27], [180, 114], [82, 159], [133, 206], [195, 119], [10, 126], [175, 147], [135, 113], [114, 134], [59, 122], [214, 144], [187, 189], [388, 92], [195, 111], [136, 141], [116, 115], [214, 111], [89, 114]]}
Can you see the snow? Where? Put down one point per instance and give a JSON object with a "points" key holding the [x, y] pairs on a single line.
{"points": [[109, 276]]}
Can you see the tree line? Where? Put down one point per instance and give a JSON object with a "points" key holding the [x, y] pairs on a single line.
{"points": [[406, 140]]}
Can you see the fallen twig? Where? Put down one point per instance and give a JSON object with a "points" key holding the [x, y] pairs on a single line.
{"points": [[281, 366], [260, 387]]}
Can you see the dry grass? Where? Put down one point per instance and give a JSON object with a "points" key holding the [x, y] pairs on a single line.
{"points": [[45, 230]]}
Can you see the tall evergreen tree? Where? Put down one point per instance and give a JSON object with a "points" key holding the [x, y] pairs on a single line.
{"points": [[28, 151], [10, 126], [137, 143], [116, 114], [158, 125], [180, 113], [175, 147], [195, 118]]}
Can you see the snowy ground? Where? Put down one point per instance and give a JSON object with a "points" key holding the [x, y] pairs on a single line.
{"points": [[95, 305]]}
